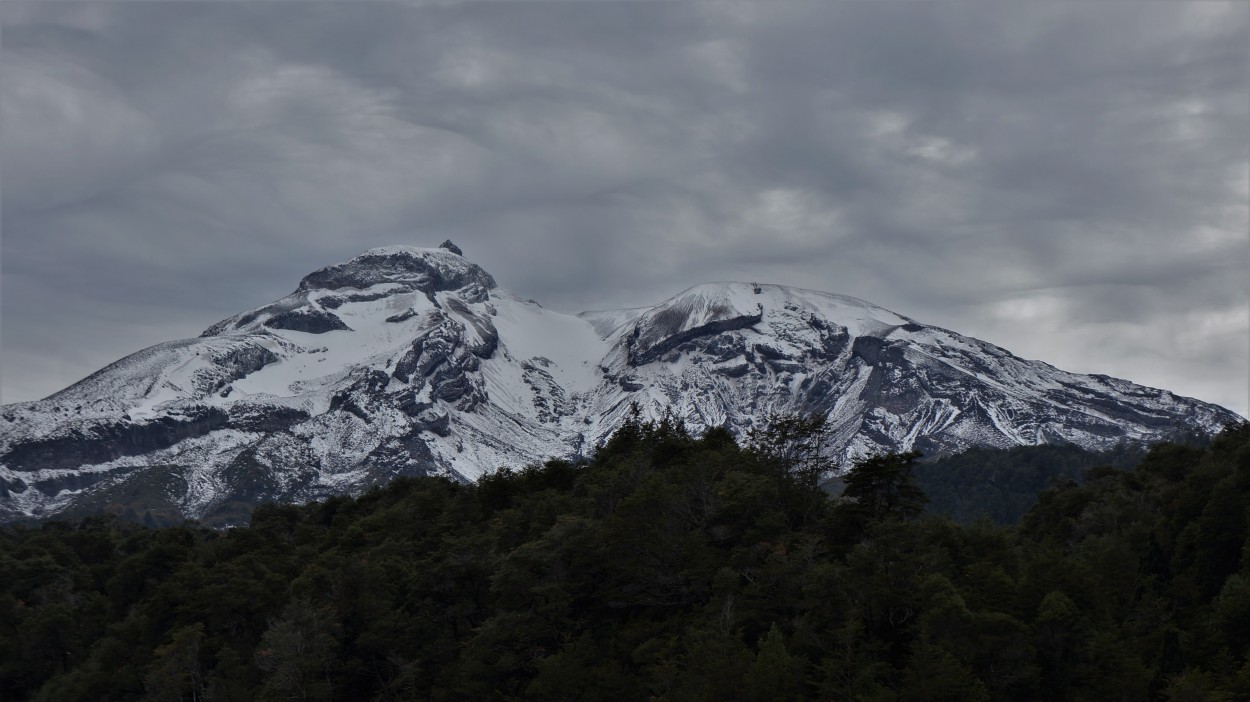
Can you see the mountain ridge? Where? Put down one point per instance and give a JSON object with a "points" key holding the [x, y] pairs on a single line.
{"points": [[410, 361]]}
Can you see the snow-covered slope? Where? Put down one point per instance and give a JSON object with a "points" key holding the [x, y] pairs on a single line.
{"points": [[411, 361]]}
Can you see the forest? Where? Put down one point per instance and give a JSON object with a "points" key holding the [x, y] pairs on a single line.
{"points": [[666, 567]]}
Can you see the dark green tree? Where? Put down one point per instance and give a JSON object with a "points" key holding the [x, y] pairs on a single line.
{"points": [[881, 489]]}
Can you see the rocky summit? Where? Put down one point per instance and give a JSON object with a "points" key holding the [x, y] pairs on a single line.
{"points": [[412, 361]]}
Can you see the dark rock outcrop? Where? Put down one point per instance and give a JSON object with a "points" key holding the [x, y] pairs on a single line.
{"points": [[265, 418], [336, 301], [483, 326], [868, 349], [402, 316], [411, 270], [644, 349], [107, 442], [307, 320], [435, 422]]}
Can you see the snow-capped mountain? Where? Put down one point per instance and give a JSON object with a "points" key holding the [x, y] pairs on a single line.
{"points": [[411, 361]]}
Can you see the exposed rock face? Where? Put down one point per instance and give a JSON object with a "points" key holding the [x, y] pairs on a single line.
{"points": [[406, 361], [106, 442], [377, 274], [672, 326], [311, 321], [423, 269]]}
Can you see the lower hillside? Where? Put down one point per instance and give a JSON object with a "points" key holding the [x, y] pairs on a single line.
{"points": [[669, 567]]}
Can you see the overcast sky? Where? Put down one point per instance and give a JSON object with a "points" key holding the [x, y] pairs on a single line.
{"points": [[1069, 181]]}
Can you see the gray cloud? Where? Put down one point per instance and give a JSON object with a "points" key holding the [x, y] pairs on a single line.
{"points": [[1068, 181]]}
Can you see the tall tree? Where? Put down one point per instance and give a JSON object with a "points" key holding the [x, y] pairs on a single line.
{"points": [[884, 487]]}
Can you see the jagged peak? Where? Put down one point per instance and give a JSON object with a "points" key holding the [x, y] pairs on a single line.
{"points": [[418, 268], [387, 270]]}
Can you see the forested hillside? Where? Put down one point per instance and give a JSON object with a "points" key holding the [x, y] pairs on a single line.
{"points": [[669, 567], [1004, 484]]}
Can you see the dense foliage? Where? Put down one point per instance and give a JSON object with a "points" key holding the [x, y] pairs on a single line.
{"points": [[1003, 484], [668, 567]]}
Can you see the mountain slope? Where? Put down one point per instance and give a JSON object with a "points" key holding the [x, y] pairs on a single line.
{"points": [[411, 361]]}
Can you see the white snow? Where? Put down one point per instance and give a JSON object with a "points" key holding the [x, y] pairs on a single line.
{"points": [[559, 383], [528, 331]]}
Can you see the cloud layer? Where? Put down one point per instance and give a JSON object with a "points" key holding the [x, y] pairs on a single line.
{"points": [[1070, 182]]}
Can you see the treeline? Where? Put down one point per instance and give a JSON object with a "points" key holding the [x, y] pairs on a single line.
{"points": [[669, 567]]}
